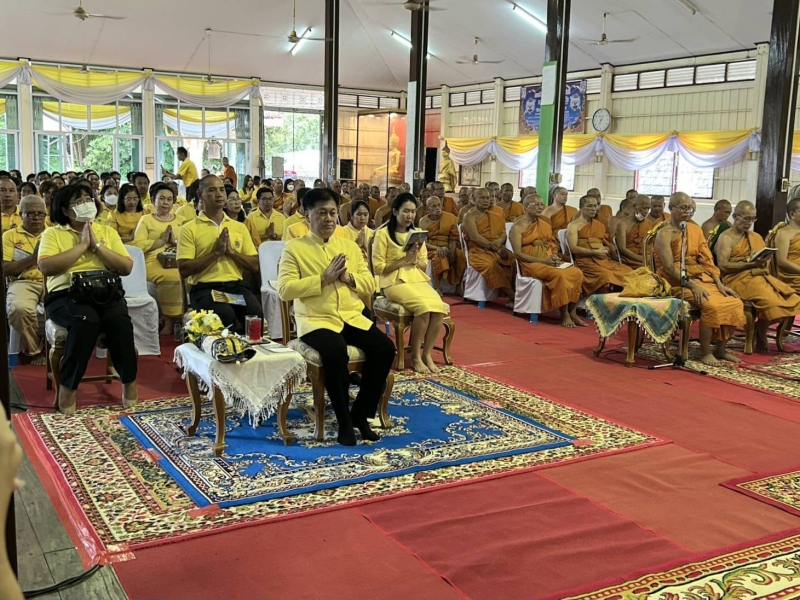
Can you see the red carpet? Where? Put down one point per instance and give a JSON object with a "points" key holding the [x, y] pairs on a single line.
{"points": [[519, 537], [331, 555]]}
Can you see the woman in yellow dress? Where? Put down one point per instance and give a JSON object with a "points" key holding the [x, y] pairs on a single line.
{"points": [[403, 280], [357, 229], [248, 192], [156, 233], [129, 211], [109, 197]]}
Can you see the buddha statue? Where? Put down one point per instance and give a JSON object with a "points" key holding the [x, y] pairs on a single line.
{"points": [[448, 174]]}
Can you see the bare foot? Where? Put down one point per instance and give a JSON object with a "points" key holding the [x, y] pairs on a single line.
{"points": [[428, 360], [725, 355], [130, 395], [168, 328], [762, 347], [38, 360], [711, 361], [577, 320], [420, 367], [566, 321], [66, 401]]}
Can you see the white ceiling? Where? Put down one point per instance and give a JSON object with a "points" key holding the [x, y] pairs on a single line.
{"points": [[168, 35]]}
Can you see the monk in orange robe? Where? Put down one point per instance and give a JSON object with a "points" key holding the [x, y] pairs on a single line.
{"points": [[588, 242], [447, 259], [448, 204], [772, 298], [787, 241], [631, 231], [558, 214], [604, 213], [375, 200], [537, 254], [382, 214], [657, 214], [721, 311], [511, 210], [486, 238]]}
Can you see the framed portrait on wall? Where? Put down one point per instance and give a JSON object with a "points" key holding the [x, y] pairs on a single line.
{"points": [[469, 175]]}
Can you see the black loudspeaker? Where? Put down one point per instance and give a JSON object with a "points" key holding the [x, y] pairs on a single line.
{"points": [[346, 168], [431, 158]]}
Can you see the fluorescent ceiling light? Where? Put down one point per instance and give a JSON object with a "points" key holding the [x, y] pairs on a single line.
{"points": [[688, 6], [535, 21], [296, 48], [405, 41]]}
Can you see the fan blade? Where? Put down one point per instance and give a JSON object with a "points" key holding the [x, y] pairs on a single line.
{"points": [[94, 16], [622, 41], [489, 62], [465, 62], [318, 39]]}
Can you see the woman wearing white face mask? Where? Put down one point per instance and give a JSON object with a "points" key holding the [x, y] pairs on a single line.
{"points": [[110, 197], [75, 255], [129, 210]]}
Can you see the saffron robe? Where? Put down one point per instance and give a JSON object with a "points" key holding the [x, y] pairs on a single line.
{"points": [[634, 241], [497, 271], [793, 279], [604, 214], [442, 233], [513, 211], [561, 219], [598, 272]]}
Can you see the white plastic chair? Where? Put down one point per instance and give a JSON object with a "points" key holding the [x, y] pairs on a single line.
{"points": [[269, 255], [528, 296], [565, 250], [142, 307], [475, 287]]}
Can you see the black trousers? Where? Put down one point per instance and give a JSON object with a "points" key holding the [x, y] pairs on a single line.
{"points": [[84, 324], [231, 315], [332, 347]]}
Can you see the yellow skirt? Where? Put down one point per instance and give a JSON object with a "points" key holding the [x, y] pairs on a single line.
{"points": [[168, 288], [419, 298]]}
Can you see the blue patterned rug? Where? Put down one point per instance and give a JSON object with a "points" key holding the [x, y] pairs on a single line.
{"points": [[435, 426]]}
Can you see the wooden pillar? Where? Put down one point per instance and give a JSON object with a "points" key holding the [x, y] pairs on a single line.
{"points": [[777, 129], [554, 78], [330, 118], [415, 111]]}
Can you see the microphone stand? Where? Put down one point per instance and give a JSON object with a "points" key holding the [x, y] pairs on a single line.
{"points": [[678, 362]]}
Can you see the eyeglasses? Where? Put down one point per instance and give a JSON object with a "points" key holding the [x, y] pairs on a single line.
{"points": [[79, 202], [35, 215], [746, 219], [685, 208]]}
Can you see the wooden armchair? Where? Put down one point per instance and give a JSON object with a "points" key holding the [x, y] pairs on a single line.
{"points": [[316, 374]]}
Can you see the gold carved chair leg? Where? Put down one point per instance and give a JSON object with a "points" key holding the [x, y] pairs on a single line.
{"points": [[633, 337], [600, 345], [197, 403], [780, 335], [400, 342], [687, 327], [749, 329], [219, 417], [287, 435], [317, 376], [449, 334]]}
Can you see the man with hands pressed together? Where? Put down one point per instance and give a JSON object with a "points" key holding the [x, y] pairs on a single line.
{"points": [[325, 275], [213, 252]]}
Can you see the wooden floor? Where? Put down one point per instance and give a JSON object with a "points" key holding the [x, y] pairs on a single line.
{"points": [[46, 554]]}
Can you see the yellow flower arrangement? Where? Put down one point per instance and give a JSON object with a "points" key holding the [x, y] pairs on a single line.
{"points": [[202, 323]]}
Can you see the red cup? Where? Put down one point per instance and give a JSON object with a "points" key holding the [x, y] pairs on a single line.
{"points": [[254, 328]]}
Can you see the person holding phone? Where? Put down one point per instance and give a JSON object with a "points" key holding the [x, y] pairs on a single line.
{"points": [[403, 279]]}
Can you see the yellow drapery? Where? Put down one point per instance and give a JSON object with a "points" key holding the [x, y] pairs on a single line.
{"points": [[78, 111], [637, 142], [201, 87], [709, 141], [90, 79], [196, 116]]}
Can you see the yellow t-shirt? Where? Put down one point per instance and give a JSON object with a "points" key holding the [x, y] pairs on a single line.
{"points": [[303, 262], [10, 221], [61, 238], [257, 223], [247, 195], [104, 218], [124, 223], [147, 204], [188, 172], [198, 238], [19, 239], [149, 230], [295, 218], [186, 212]]}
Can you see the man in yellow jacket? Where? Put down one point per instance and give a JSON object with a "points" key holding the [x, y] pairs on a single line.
{"points": [[325, 275]]}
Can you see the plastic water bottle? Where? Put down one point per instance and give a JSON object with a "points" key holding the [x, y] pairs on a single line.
{"points": [[13, 361]]}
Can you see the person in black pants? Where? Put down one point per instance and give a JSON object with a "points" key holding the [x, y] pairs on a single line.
{"points": [[214, 251], [76, 244], [324, 276]]}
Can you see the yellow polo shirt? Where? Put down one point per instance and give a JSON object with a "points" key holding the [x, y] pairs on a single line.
{"points": [[186, 212], [18, 238], [295, 218], [198, 238], [300, 229], [303, 262], [188, 172], [257, 223], [61, 238], [10, 221]]}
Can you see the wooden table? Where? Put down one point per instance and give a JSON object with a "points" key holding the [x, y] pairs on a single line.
{"points": [[231, 384]]}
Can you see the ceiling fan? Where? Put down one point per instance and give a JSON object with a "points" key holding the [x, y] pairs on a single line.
{"points": [[604, 41], [411, 5], [83, 14], [293, 37], [475, 60]]}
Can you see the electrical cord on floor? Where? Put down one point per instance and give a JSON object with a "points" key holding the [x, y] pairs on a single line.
{"points": [[64, 584]]}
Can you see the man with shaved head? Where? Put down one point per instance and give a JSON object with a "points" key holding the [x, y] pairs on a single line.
{"points": [[657, 214], [511, 210], [788, 243], [382, 214], [722, 212], [604, 213], [631, 231], [721, 310], [749, 277], [26, 290], [9, 211], [446, 257], [558, 214], [485, 232], [625, 210]]}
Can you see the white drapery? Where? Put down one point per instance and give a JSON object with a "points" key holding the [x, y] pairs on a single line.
{"points": [[192, 129], [92, 87], [216, 94]]}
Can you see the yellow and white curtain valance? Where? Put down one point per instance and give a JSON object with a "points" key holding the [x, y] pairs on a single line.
{"points": [[703, 149], [217, 122], [76, 116], [72, 85]]}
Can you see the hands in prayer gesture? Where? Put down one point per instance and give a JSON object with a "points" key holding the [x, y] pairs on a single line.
{"points": [[169, 236], [337, 270], [88, 240], [270, 233], [223, 245]]}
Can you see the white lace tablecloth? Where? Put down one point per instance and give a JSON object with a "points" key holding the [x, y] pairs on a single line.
{"points": [[256, 387]]}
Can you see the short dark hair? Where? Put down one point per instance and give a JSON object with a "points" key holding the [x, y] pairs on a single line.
{"points": [[262, 191], [229, 189], [719, 204], [158, 187], [183, 150], [115, 173], [583, 200], [191, 192], [106, 187], [40, 173], [47, 186], [356, 205], [30, 176], [123, 191], [62, 198], [318, 196], [140, 174], [29, 185], [794, 205], [301, 193]]}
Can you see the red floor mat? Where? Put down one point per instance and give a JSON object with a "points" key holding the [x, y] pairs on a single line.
{"points": [[519, 537], [332, 555]]}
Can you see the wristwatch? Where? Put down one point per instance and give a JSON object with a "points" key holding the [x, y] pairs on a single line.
{"points": [[95, 247]]}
